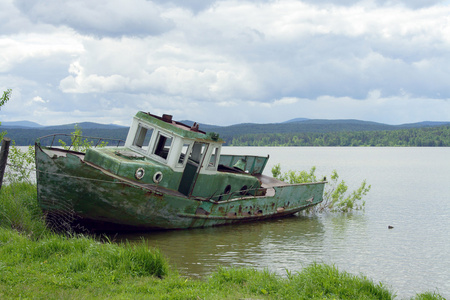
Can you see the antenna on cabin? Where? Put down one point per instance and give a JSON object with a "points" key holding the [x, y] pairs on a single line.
{"points": [[194, 126]]}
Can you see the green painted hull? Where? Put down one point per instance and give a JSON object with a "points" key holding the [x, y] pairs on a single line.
{"points": [[70, 186]]}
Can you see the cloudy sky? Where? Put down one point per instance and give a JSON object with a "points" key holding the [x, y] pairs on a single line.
{"points": [[225, 62]]}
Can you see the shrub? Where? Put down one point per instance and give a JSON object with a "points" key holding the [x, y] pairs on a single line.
{"points": [[335, 197]]}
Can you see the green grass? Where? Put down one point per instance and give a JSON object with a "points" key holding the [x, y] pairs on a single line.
{"points": [[60, 267], [56, 266], [19, 209], [57, 263], [429, 296], [317, 281], [36, 263]]}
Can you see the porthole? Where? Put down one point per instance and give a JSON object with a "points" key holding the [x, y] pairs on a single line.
{"points": [[139, 173], [227, 189], [244, 190], [157, 177], [225, 192]]}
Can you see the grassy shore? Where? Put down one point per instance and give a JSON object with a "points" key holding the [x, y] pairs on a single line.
{"points": [[36, 263]]}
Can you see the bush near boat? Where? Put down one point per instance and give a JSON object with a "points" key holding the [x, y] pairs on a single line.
{"points": [[37, 263], [335, 198]]}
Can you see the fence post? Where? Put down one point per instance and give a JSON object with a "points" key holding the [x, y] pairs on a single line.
{"points": [[4, 157]]}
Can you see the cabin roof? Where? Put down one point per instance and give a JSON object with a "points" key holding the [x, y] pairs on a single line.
{"points": [[183, 130]]}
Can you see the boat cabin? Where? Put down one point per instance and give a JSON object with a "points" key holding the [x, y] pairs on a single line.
{"points": [[170, 154], [172, 143]]}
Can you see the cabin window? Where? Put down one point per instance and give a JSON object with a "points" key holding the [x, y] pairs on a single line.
{"points": [[162, 145], [213, 158], [197, 152], [143, 137], [183, 154]]}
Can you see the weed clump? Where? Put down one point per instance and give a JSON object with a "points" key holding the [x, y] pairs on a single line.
{"points": [[77, 261], [335, 197], [317, 281]]}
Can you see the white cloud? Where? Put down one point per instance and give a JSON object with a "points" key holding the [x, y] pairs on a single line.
{"points": [[100, 17], [417, 4], [20, 48], [39, 99], [286, 101], [227, 61]]}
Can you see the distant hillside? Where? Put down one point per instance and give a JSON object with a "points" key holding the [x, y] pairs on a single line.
{"points": [[310, 126], [204, 127], [296, 120], [423, 124], [435, 136], [26, 135], [20, 124], [85, 125]]}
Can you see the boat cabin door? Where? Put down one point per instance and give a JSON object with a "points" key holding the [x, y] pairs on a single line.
{"points": [[192, 168]]}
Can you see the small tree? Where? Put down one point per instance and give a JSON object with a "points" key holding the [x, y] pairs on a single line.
{"points": [[20, 162], [335, 197], [3, 100], [5, 97], [78, 143], [294, 177]]}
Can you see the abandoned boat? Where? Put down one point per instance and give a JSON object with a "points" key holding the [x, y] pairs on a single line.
{"points": [[166, 175]]}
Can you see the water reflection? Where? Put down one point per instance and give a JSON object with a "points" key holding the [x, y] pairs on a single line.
{"points": [[275, 244]]}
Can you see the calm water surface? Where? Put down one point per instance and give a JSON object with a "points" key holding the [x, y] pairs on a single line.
{"points": [[410, 191]]}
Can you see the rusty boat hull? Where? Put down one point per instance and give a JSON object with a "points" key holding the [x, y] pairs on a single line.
{"points": [[74, 189]]}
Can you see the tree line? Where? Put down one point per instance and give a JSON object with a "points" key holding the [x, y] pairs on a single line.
{"points": [[25, 137], [416, 137]]}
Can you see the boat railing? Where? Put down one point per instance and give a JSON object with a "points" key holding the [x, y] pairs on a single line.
{"points": [[287, 190], [73, 141]]}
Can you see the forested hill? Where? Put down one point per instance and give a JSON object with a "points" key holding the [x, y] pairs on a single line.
{"points": [[413, 137], [318, 126], [310, 125], [27, 136], [299, 132], [305, 132]]}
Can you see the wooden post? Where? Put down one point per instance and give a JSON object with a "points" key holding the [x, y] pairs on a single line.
{"points": [[4, 158]]}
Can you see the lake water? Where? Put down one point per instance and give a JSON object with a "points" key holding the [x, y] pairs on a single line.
{"points": [[410, 191]]}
